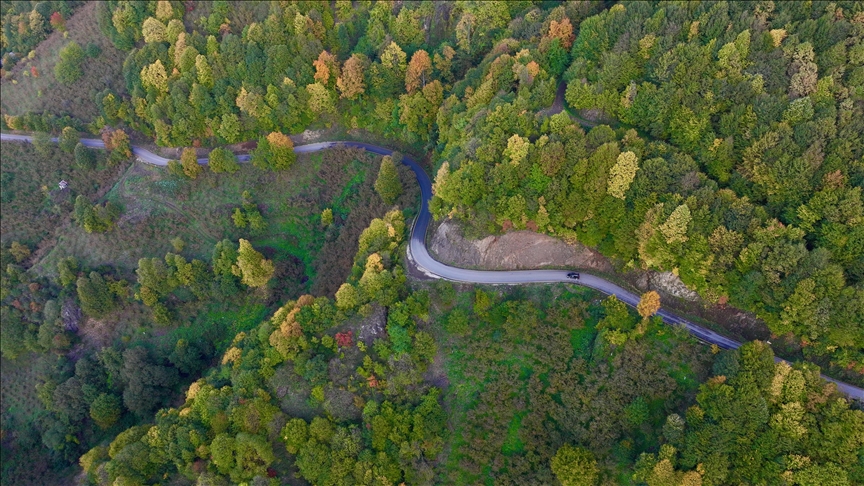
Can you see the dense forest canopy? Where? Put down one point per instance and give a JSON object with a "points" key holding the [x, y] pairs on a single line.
{"points": [[720, 141]]}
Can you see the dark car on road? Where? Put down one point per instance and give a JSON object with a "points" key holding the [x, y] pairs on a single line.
{"points": [[573, 275]]}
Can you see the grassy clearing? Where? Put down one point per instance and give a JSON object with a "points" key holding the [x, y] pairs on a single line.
{"points": [[159, 207], [218, 323], [26, 93]]}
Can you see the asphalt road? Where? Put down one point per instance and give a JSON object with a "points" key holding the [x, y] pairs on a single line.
{"points": [[420, 258]]}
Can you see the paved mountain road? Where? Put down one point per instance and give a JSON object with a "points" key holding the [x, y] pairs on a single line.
{"points": [[420, 257]]}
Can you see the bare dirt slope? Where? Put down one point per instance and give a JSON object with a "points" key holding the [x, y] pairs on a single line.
{"points": [[519, 250]]}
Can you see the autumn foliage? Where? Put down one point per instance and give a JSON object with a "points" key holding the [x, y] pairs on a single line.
{"points": [[649, 304], [58, 22], [418, 71], [326, 67], [563, 31], [344, 339]]}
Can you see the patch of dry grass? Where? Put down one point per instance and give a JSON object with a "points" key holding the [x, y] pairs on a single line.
{"points": [[32, 94]]}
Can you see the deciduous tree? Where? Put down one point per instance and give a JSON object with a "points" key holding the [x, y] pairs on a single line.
{"points": [[68, 139], [189, 161], [327, 217], [351, 83], [418, 71], [153, 30], [320, 100], [649, 304], [252, 267], [675, 228], [282, 154], [164, 11], [223, 160], [517, 149], [562, 31], [105, 410], [575, 466], [326, 68], [621, 175]]}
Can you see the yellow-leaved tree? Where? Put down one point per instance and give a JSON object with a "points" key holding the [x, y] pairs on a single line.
{"points": [[253, 269], [621, 174]]}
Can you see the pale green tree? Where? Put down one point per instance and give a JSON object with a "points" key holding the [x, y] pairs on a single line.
{"points": [[621, 174], [252, 267], [675, 228]]}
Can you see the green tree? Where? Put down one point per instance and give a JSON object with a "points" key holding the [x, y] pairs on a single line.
{"points": [[148, 383], [252, 267], [67, 270], [575, 466], [222, 453], [189, 160], [68, 67], [153, 30], [347, 297], [84, 157], [68, 139], [95, 296], [105, 410], [327, 217], [223, 160], [295, 433], [388, 185], [229, 128], [19, 252], [42, 143], [675, 228], [178, 244], [239, 218], [320, 100], [205, 72]]}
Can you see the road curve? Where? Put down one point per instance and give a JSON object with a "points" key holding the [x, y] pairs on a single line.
{"points": [[420, 257]]}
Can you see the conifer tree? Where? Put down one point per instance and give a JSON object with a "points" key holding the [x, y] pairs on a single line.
{"points": [[388, 185]]}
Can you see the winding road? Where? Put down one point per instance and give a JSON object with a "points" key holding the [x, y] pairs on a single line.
{"points": [[419, 255]]}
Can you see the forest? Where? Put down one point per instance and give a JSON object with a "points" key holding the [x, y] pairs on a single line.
{"points": [[259, 324]]}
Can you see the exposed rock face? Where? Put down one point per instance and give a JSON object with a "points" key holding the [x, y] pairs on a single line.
{"points": [[70, 314], [374, 326], [666, 283], [309, 136], [519, 250]]}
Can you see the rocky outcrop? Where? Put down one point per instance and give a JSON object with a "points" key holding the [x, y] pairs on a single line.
{"points": [[70, 314], [666, 283], [518, 250]]}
